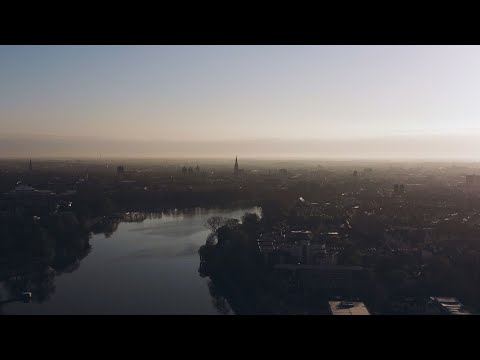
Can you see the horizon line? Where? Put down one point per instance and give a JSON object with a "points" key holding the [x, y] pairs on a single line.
{"points": [[247, 157]]}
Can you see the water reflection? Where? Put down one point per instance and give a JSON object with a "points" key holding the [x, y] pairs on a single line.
{"points": [[238, 280], [40, 282], [34, 266], [241, 282], [218, 299], [108, 265]]}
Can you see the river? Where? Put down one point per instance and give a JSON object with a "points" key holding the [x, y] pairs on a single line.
{"points": [[148, 267]]}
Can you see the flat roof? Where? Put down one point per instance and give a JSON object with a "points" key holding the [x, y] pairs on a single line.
{"points": [[348, 308], [318, 267]]}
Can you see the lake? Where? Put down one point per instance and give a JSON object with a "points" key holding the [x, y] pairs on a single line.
{"points": [[148, 267]]}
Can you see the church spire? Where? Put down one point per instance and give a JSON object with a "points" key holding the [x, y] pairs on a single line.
{"points": [[235, 169]]}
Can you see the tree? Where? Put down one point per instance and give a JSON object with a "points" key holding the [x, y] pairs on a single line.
{"points": [[231, 223], [215, 222], [250, 219], [251, 225], [211, 240]]}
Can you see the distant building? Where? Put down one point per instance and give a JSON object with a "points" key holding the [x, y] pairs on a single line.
{"points": [[472, 181], [304, 208], [120, 170], [348, 308], [398, 189], [407, 236], [235, 168], [30, 166], [25, 200], [127, 184]]}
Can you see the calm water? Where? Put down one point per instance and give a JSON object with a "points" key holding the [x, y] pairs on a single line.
{"points": [[142, 268]]}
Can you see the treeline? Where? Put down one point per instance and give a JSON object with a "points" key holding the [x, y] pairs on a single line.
{"points": [[231, 260]]}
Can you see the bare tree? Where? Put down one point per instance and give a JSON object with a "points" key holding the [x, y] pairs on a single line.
{"points": [[215, 222], [231, 223], [211, 240]]}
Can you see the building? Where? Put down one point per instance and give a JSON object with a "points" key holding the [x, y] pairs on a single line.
{"points": [[25, 200], [398, 189], [267, 246], [445, 306], [127, 184], [348, 308], [472, 181], [325, 277], [296, 247], [236, 170], [120, 170], [410, 305], [407, 236], [406, 305], [304, 208]]}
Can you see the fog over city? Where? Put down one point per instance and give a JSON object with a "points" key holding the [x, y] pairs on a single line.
{"points": [[456, 147]]}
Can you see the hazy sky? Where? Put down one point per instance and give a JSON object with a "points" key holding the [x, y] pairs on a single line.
{"points": [[151, 94]]}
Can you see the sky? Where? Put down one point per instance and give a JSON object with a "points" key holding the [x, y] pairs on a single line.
{"points": [[259, 101]]}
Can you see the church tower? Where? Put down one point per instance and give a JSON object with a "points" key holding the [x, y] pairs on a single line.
{"points": [[235, 168]]}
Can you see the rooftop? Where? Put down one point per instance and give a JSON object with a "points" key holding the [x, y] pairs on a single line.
{"points": [[450, 305], [348, 308], [24, 188], [321, 267]]}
